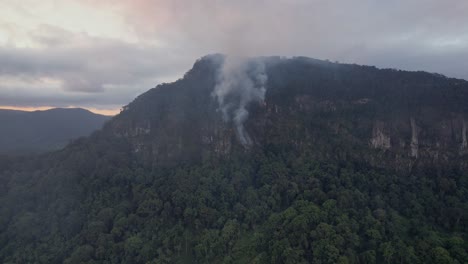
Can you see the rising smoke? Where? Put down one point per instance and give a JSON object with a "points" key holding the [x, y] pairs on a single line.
{"points": [[241, 81]]}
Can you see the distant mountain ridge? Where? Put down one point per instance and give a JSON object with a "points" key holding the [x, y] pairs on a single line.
{"points": [[23, 132], [343, 164]]}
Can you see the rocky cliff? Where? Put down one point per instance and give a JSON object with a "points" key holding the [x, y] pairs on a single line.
{"points": [[386, 116], [263, 160]]}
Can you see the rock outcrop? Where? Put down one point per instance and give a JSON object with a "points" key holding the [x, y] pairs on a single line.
{"points": [[379, 139], [391, 118]]}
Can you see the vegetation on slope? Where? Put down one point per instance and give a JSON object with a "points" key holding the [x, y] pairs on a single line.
{"points": [[101, 200]]}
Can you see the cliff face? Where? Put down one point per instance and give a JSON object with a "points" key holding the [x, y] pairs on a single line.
{"points": [[321, 155], [384, 117]]}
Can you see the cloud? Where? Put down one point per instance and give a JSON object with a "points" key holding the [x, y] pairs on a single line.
{"points": [[106, 52], [412, 35], [78, 68], [288, 24]]}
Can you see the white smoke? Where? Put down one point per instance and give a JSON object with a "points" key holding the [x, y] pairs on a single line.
{"points": [[241, 81]]}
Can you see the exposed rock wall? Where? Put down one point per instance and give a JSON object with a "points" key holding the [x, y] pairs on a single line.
{"points": [[353, 117], [414, 145], [379, 139], [464, 144]]}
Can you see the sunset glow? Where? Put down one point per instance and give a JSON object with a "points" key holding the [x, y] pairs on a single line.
{"points": [[103, 54], [108, 112]]}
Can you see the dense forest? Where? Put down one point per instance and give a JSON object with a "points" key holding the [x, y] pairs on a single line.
{"points": [[313, 188]]}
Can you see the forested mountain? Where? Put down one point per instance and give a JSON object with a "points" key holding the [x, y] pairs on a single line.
{"points": [[24, 132], [270, 160]]}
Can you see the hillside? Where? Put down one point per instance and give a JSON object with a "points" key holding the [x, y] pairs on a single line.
{"points": [[39, 131], [265, 160], [308, 104]]}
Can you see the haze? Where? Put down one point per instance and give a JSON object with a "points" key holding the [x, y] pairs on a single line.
{"points": [[101, 54]]}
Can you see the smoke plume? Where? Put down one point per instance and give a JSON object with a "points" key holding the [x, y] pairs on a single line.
{"points": [[241, 81]]}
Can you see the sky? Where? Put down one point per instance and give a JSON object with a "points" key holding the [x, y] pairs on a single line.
{"points": [[101, 54]]}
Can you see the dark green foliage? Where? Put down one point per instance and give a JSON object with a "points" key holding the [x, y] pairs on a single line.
{"points": [[266, 210], [304, 193]]}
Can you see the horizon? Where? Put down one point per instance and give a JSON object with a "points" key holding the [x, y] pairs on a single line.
{"points": [[116, 110], [105, 112], [100, 56], [216, 131]]}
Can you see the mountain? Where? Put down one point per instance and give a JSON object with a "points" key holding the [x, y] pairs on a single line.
{"points": [[32, 132], [260, 160], [308, 104]]}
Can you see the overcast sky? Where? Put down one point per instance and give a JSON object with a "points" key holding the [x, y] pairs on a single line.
{"points": [[102, 54]]}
